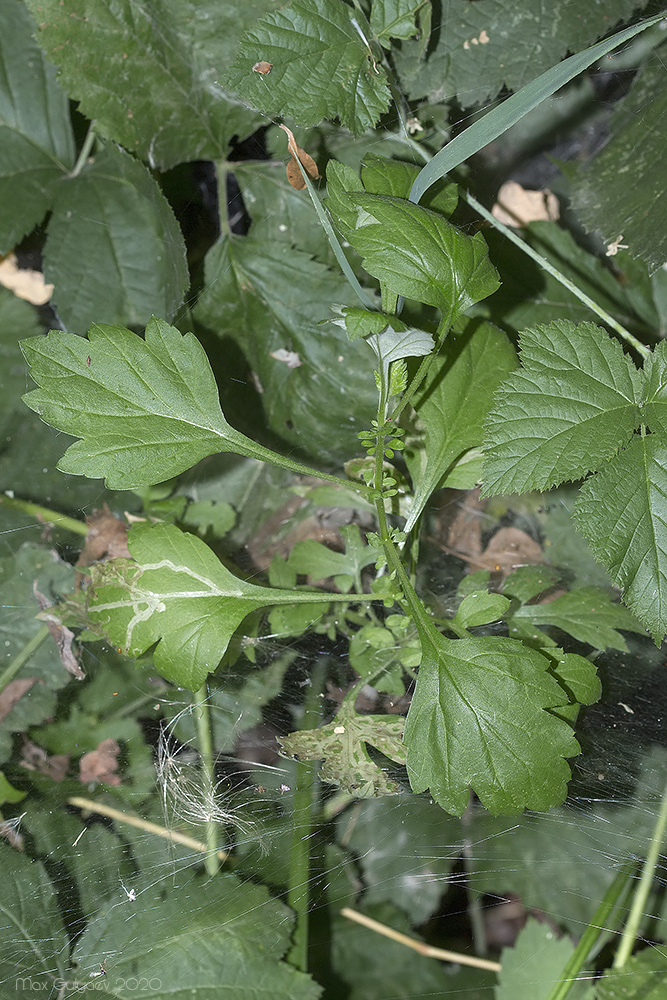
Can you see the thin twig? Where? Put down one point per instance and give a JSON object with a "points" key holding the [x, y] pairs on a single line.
{"points": [[427, 950]]}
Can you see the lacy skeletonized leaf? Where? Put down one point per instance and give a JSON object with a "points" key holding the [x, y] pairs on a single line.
{"points": [[480, 717], [114, 248], [587, 613], [36, 141], [177, 592], [146, 410], [452, 404], [419, 254], [321, 67], [342, 747], [569, 408], [622, 512], [146, 72]]}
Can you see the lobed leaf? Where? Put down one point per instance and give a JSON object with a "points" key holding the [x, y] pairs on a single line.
{"points": [[394, 19], [321, 67], [574, 402], [621, 511], [177, 593], [587, 614], [642, 977]]}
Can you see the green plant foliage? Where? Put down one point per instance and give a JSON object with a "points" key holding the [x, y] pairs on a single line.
{"points": [[531, 969], [644, 975], [204, 603], [618, 192], [36, 141], [321, 66], [586, 613]]}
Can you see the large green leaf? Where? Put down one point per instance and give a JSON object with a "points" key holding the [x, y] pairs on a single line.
{"points": [[230, 945], [321, 67], [621, 511], [642, 977], [531, 969], [145, 409], [418, 253], [146, 71], [36, 142], [619, 192], [480, 718], [586, 613], [178, 592], [17, 320], [452, 405], [480, 49], [114, 249], [572, 404], [394, 19], [271, 299]]}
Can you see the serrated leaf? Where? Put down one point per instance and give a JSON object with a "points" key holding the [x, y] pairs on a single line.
{"points": [[227, 917], [146, 73], [321, 67], [621, 511], [179, 594], [114, 250], [146, 410], [532, 968], [619, 191], [587, 614], [394, 19], [527, 582], [342, 182], [342, 747], [655, 397], [480, 609], [311, 558], [36, 141], [480, 719], [267, 299], [380, 175], [577, 676], [419, 254], [642, 977], [573, 403], [452, 404]]}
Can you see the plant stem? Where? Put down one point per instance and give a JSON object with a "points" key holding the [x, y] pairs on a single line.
{"points": [[555, 273], [298, 891], [45, 515], [592, 933], [441, 335], [638, 908], [205, 747], [85, 151], [30, 647]]}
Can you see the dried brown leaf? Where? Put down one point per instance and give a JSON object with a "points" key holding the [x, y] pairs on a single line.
{"points": [[100, 765]]}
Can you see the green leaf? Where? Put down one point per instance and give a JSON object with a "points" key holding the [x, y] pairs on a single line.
{"points": [[177, 592], [380, 175], [452, 404], [642, 977], [531, 969], [480, 718], [145, 409], [655, 398], [269, 299], [618, 192], [8, 793], [231, 943], [577, 676], [321, 67], [114, 249], [587, 614], [480, 609], [207, 515], [36, 141], [33, 942], [394, 19], [419, 254], [342, 747], [567, 410], [146, 73], [621, 511], [311, 558], [527, 582]]}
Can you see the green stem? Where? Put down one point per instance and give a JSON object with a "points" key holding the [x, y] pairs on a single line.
{"points": [[205, 747], [592, 933], [85, 151], [638, 908], [45, 515], [555, 273], [13, 668], [441, 335], [298, 892]]}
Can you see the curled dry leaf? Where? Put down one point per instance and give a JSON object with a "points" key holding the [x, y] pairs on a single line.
{"points": [[101, 764], [262, 67], [517, 207], [61, 635], [106, 538], [294, 175], [34, 758], [13, 694]]}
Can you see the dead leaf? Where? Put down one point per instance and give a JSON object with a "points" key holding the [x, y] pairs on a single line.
{"points": [[106, 538], [100, 765], [36, 759], [508, 549], [517, 207], [61, 635], [294, 175], [13, 694], [262, 67], [24, 283]]}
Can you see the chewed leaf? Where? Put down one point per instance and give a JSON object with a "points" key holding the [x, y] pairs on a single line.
{"points": [[177, 593]]}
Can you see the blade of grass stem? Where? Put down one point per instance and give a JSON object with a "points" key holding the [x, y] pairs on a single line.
{"points": [[45, 515], [205, 747], [12, 669]]}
